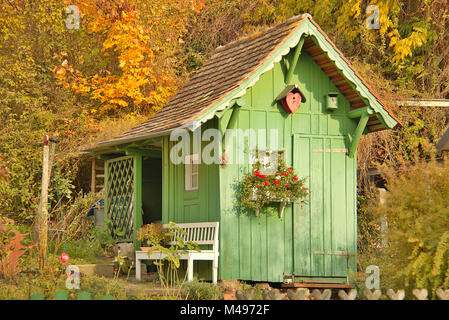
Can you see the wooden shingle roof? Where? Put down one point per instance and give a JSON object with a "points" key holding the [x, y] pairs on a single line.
{"points": [[238, 65]]}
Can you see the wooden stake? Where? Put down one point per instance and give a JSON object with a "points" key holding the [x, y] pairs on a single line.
{"points": [[42, 215]]}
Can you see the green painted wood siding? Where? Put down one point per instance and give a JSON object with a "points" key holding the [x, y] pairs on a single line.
{"points": [[182, 206], [262, 248]]}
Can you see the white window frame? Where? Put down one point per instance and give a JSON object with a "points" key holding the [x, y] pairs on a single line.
{"points": [[267, 167], [191, 166]]}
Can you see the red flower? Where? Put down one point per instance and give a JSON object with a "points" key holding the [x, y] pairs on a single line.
{"points": [[257, 173], [287, 185], [290, 169], [295, 178], [266, 182], [304, 189], [262, 176], [276, 182]]}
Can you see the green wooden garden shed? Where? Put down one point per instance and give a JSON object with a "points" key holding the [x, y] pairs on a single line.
{"points": [[240, 87]]}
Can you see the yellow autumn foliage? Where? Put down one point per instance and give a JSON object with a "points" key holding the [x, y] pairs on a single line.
{"points": [[139, 82]]}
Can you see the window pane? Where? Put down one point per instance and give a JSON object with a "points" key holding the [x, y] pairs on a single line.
{"points": [[194, 181], [191, 172]]}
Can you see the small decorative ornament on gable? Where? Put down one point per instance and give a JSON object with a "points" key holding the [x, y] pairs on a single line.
{"points": [[291, 98]]}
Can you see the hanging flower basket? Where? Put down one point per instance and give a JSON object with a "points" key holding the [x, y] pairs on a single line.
{"points": [[256, 190]]}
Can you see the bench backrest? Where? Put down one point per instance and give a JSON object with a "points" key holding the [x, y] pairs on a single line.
{"points": [[200, 233]]}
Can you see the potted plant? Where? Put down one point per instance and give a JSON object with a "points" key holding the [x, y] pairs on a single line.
{"points": [[152, 234], [256, 190]]}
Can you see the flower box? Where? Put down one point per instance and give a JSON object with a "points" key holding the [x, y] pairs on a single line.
{"points": [[256, 190]]}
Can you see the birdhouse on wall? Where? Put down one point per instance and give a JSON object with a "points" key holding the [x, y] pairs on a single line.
{"points": [[291, 98], [332, 101]]}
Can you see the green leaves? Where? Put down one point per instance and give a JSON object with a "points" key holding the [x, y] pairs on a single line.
{"points": [[417, 212], [256, 190], [153, 234]]}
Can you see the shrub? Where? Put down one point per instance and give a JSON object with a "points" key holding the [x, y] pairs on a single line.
{"points": [[153, 233], [12, 248], [196, 290], [83, 249], [417, 213]]}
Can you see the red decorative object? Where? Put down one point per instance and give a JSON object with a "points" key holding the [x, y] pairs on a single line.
{"points": [[64, 258], [291, 102], [291, 98]]}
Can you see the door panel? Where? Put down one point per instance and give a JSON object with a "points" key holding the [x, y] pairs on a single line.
{"points": [[301, 212], [320, 243]]}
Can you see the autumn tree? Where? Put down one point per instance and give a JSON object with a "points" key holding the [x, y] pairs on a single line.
{"points": [[34, 39], [137, 42]]}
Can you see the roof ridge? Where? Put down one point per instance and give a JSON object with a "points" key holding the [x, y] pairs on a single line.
{"points": [[238, 41]]}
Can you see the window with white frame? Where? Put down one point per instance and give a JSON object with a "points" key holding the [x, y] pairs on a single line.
{"points": [[268, 160], [191, 172]]}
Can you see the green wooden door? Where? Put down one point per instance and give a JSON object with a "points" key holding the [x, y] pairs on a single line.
{"points": [[324, 242]]}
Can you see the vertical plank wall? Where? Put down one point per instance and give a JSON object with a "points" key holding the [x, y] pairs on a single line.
{"points": [[261, 248], [181, 206]]}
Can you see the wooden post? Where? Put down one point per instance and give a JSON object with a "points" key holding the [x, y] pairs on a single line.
{"points": [[42, 215], [383, 221], [292, 66], [138, 198], [94, 175]]}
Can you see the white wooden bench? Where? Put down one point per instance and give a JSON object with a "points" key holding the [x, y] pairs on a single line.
{"points": [[202, 233]]}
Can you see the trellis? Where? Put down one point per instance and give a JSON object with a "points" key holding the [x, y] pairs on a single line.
{"points": [[120, 195]]}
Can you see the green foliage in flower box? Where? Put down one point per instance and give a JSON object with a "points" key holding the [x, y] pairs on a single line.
{"points": [[256, 190]]}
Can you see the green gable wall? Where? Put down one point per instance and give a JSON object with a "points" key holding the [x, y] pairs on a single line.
{"points": [[261, 248]]}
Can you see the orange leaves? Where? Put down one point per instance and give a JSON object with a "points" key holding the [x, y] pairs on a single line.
{"points": [[4, 171], [198, 5], [59, 72], [11, 249], [127, 39], [140, 53]]}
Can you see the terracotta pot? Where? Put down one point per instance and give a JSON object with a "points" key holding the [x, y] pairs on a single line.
{"points": [[145, 248]]}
